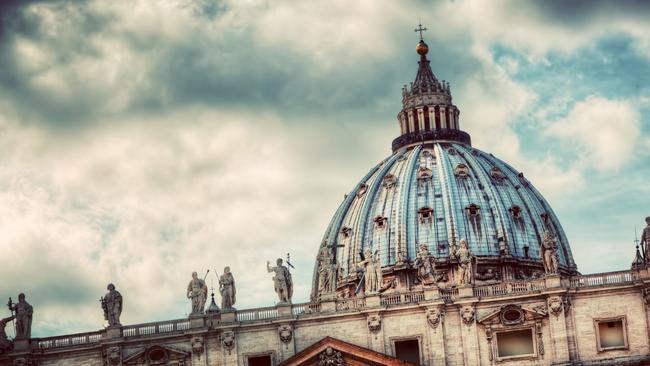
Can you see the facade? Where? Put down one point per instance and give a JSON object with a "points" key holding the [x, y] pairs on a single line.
{"points": [[441, 255]]}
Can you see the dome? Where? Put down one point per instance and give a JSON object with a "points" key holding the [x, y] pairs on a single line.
{"points": [[434, 191]]}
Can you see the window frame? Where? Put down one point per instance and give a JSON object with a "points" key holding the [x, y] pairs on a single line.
{"points": [[416, 337], [270, 354], [529, 356], [623, 320]]}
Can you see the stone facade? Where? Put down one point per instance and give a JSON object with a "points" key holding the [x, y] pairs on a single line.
{"points": [[450, 328]]}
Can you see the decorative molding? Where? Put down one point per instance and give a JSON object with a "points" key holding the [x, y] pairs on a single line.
{"points": [[331, 357], [435, 315], [467, 314], [285, 332], [555, 305], [197, 346], [374, 323], [113, 356], [228, 340]]}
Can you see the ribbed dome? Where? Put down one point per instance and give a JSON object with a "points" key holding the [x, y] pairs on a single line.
{"points": [[436, 190], [436, 194]]}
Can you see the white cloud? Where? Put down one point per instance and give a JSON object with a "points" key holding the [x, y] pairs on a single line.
{"points": [[606, 132]]}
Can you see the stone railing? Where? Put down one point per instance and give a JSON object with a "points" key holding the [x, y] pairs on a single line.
{"points": [[257, 314], [449, 294], [68, 340], [519, 287], [306, 308], [155, 328], [603, 279], [350, 304], [402, 298]]}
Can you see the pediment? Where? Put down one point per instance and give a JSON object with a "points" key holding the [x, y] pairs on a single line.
{"points": [[512, 314], [334, 352], [157, 355]]}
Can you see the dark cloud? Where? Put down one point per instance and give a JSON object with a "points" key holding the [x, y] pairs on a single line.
{"points": [[579, 12]]}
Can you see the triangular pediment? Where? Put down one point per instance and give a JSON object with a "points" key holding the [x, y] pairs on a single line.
{"points": [[156, 355], [512, 313], [334, 352]]}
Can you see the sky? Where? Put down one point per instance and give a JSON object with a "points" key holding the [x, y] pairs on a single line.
{"points": [[141, 141]]}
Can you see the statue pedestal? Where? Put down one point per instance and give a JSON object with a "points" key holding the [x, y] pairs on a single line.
{"points": [[22, 345], [197, 321], [284, 309], [431, 293], [373, 301], [552, 280], [112, 332], [328, 306], [466, 291], [228, 315]]}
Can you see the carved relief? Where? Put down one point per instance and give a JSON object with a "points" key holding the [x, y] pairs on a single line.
{"points": [[487, 274], [512, 315], [374, 323], [467, 314], [434, 316], [113, 355], [330, 357], [228, 340], [197, 346], [555, 305], [286, 333]]}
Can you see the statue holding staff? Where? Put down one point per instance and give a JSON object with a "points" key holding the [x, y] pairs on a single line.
{"points": [[281, 280], [112, 306], [24, 312]]}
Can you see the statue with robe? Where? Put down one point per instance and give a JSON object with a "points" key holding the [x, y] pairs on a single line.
{"points": [[326, 272], [112, 306], [645, 239], [549, 254], [425, 264], [281, 280], [197, 291], [465, 264], [373, 278], [227, 289], [23, 312], [5, 343]]}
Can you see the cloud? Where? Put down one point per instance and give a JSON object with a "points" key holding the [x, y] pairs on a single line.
{"points": [[143, 141], [606, 132]]}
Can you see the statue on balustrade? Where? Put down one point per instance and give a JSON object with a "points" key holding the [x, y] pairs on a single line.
{"points": [[645, 240], [326, 272], [5, 343], [281, 280], [197, 291], [425, 263], [372, 276], [549, 254], [227, 289], [23, 312], [465, 264], [112, 306]]}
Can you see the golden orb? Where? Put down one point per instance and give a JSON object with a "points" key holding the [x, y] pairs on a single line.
{"points": [[422, 48]]}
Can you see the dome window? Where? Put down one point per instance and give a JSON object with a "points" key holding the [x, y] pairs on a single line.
{"points": [[362, 190], [426, 215], [515, 211], [380, 222], [346, 232], [473, 210], [461, 171], [497, 174], [522, 179], [424, 173], [451, 151], [390, 180], [474, 217]]}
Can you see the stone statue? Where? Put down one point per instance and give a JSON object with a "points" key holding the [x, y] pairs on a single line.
{"points": [[227, 289], [371, 272], [23, 312], [112, 306], [645, 239], [465, 259], [549, 254], [281, 280], [198, 292], [326, 272], [5, 343], [425, 264]]}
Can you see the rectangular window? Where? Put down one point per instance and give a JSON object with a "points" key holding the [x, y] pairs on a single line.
{"points": [[408, 350], [264, 360], [611, 334], [516, 343]]}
